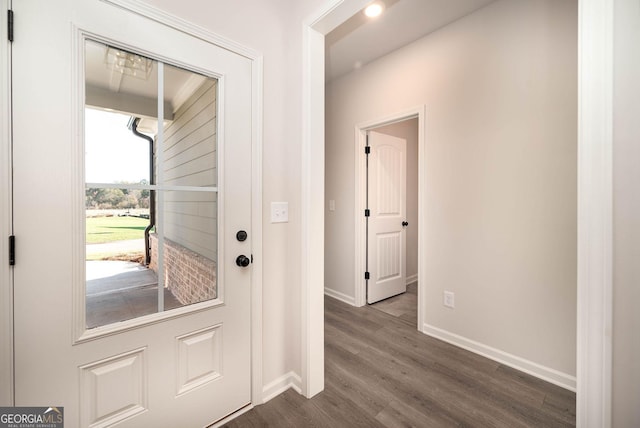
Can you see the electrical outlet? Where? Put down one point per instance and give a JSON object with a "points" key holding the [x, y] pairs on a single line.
{"points": [[449, 299]]}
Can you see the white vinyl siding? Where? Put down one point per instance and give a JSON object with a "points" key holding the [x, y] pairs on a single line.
{"points": [[190, 159]]}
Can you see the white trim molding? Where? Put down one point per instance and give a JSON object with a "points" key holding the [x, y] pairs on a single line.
{"points": [[412, 278], [595, 206], [281, 384], [6, 275], [312, 219], [545, 373], [328, 17], [177, 23], [349, 300], [257, 70], [359, 222], [360, 184]]}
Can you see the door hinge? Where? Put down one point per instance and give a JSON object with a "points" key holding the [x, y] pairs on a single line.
{"points": [[367, 150], [366, 275], [367, 212], [10, 25], [12, 250]]}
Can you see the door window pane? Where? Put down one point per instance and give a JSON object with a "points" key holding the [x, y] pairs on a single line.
{"points": [[150, 186], [189, 148], [189, 255]]}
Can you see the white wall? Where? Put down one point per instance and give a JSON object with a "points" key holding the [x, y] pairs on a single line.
{"points": [[626, 216], [408, 130], [273, 28], [500, 88]]}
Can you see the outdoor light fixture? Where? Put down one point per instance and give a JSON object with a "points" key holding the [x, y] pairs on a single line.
{"points": [[374, 9], [128, 63]]}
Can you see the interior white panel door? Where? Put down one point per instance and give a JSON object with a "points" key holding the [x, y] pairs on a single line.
{"points": [[387, 178], [183, 368]]}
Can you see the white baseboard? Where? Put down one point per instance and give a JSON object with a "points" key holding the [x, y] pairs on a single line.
{"points": [[411, 279], [272, 390], [340, 296], [545, 373], [280, 385]]}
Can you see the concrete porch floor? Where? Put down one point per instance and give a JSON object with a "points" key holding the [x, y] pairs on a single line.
{"points": [[119, 291]]}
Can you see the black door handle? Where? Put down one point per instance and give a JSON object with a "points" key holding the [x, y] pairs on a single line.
{"points": [[405, 223], [243, 261]]}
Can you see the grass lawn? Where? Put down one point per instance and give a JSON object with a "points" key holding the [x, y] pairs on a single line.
{"points": [[133, 256], [109, 229]]}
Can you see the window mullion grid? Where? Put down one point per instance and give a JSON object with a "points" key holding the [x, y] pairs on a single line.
{"points": [[160, 181]]}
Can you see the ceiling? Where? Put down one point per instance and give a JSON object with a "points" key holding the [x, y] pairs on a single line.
{"points": [[115, 89], [361, 40], [355, 43]]}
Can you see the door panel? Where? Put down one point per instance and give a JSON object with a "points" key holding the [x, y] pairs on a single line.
{"points": [[387, 178], [188, 366]]}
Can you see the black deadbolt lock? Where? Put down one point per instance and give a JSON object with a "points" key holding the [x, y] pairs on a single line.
{"points": [[241, 235]]}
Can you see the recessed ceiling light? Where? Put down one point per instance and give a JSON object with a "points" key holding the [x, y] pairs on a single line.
{"points": [[374, 9]]}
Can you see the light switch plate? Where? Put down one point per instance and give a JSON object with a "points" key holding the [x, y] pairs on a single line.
{"points": [[279, 212], [332, 205]]}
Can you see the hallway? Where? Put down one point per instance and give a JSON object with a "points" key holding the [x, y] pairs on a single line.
{"points": [[381, 372]]}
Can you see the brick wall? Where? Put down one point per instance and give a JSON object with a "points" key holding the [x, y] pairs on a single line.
{"points": [[190, 277]]}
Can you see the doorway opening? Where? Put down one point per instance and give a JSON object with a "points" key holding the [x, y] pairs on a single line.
{"points": [[398, 285], [408, 125], [340, 121]]}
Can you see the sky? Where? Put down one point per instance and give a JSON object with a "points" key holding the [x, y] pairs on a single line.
{"points": [[112, 153]]}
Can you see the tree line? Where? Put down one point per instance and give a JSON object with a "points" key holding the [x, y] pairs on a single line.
{"points": [[104, 199]]}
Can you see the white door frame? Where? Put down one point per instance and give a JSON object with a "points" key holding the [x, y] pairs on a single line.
{"points": [[379, 227], [361, 194], [595, 142], [6, 274], [6, 299]]}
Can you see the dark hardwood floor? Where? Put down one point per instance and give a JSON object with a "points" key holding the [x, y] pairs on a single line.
{"points": [[403, 306], [381, 372]]}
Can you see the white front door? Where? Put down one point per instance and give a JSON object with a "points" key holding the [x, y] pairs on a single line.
{"points": [[387, 193], [158, 334]]}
